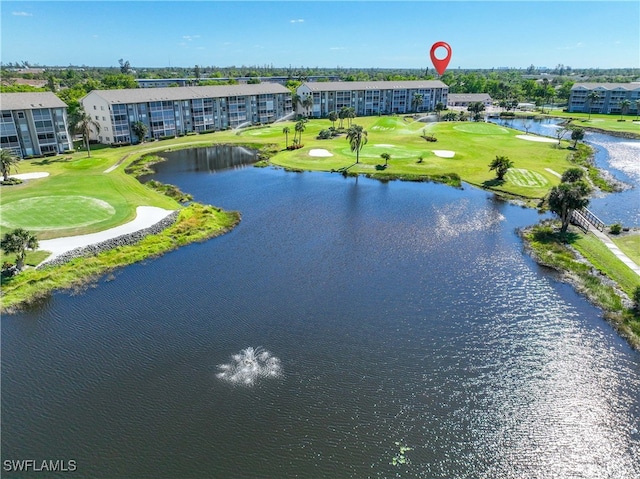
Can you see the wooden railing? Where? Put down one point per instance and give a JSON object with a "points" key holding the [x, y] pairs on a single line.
{"points": [[592, 219]]}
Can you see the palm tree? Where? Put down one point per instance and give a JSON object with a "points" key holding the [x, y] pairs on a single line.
{"points": [[567, 197], [592, 97], [307, 103], [351, 114], [624, 106], [18, 241], [386, 157], [439, 107], [416, 101], [8, 161], [342, 114], [286, 130], [637, 109], [577, 134], [84, 125], [333, 117], [299, 128], [357, 138], [501, 164]]}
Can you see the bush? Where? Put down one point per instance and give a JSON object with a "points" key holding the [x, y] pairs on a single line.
{"points": [[324, 135], [507, 114], [11, 181], [615, 229], [636, 298]]}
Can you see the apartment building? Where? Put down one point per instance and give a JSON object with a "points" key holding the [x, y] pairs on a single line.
{"points": [[373, 97], [181, 110], [610, 96], [34, 124], [463, 100]]}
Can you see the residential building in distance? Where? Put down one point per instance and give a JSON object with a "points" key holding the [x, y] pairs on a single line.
{"points": [[610, 96], [372, 97], [463, 100], [180, 110], [34, 124]]}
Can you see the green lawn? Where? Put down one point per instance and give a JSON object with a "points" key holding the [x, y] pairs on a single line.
{"points": [[631, 123], [474, 145], [629, 244]]}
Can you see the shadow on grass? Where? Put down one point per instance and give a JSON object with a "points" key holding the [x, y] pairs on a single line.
{"points": [[493, 183], [48, 161], [548, 235]]}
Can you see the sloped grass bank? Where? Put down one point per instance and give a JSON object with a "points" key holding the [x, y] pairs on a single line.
{"points": [[195, 223], [599, 284]]}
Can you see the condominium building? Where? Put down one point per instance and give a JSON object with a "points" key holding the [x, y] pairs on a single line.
{"points": [[181, 110], [609, 99], [373, 97], [34, 124]]}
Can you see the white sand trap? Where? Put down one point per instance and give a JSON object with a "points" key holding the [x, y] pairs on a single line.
{"points": [[384, 145], [320, 152], [146, 216], [540, 139], [444, 153], [30, 176]]}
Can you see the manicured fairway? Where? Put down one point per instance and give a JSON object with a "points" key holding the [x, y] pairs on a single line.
{"points": [[526, 178]]}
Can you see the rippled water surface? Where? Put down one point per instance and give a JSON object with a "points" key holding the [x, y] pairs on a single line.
{"points": [[401, 315]]}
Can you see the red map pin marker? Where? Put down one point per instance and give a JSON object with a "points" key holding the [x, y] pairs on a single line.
{"points": [[440, 64]]}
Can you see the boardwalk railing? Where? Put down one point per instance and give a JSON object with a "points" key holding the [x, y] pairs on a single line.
{"points": [[580, 221], [593, 219]]}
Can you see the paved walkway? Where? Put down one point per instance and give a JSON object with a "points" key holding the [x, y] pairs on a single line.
{"points": [[615, 250]]}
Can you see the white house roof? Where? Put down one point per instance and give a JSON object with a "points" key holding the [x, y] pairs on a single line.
{"points": [[374, 85], [140, 95], [30, 101]]}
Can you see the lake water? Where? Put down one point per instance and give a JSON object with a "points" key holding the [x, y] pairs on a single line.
{"points": [[402, 315]]}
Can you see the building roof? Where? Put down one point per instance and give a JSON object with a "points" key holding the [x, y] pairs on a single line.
{"points": [[456, 97], [606, 86], [141, 95], [374, 85], [30, 101]]}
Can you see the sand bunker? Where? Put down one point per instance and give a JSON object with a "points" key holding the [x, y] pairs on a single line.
{"points": [[321, 152], [444, 153], [541, 139], [384, 145], [30, 176]]}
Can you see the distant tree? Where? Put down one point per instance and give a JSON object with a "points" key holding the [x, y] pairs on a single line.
{"points": [[501, 164], [286, 130], [333, 117], [565, 198], [476, 108], [83, 125], [342, 114], [357, 138], [196, 72], [561, 132], [8, 161], [139, 129], [592, 97], [439, 107], [624, 106], [386, 157], [637, 109], [125, 67], [19, 241], [351, 114], [577, 134]]}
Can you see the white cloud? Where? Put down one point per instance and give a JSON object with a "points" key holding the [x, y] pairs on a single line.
{"points": [[190, 38], [22, 14], [299, 20]]}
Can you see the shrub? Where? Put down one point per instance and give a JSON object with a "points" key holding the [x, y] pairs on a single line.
{"points": [[615, 229], [11, 181], [324, 135]]}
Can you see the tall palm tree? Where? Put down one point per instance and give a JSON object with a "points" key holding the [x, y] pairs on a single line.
{"points": [[84, 125], [8, 161], [286, 130], [307, 103], [351, 114], [333, 117], [342, 114], [624, 106], [357, 138], [416, 101], [299, 128], [18, 241], [386, 157], [592, 97], [439, 107]]}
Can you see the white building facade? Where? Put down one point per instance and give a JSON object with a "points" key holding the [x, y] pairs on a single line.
{"points": [[34, 124], [373, 97], [610, 97], [177, 111]]}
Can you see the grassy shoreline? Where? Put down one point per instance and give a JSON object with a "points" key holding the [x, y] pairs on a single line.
{"points": [[604, 284]]}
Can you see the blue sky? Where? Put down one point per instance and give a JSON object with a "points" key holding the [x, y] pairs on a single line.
{"points": [[322, 33]]}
